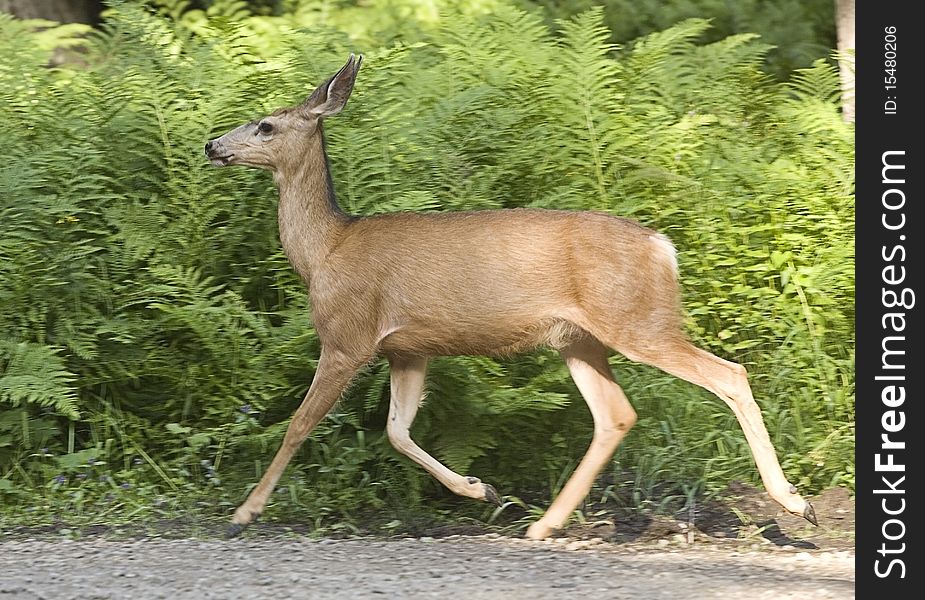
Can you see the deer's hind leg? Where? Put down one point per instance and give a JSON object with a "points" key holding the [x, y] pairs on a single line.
{"points": [[407, 387], [613, 417], [728, 380]]}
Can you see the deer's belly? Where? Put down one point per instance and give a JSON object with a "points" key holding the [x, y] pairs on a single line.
{"points": [[478, 338]]}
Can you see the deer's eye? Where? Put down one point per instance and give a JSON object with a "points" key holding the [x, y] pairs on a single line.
{"points": [[265, 127]]}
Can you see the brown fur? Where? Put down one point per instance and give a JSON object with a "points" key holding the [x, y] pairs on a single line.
{"points": [[485, 282], [411, 286]]}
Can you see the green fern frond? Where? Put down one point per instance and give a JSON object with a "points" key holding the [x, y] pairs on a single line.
{"points": [[819, 82], [36, 374]]}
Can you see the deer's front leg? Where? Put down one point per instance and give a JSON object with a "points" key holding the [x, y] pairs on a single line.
{"points": [[407, 385], [334, 372]]}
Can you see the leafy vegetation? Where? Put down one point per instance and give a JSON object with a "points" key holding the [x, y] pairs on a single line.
{"points": [[800, 31], [154, 340]]}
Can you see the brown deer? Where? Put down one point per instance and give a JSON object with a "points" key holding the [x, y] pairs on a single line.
{"points": [[410, 286]]}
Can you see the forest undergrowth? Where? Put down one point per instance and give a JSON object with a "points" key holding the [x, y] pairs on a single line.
{"points": [[154, 339]]}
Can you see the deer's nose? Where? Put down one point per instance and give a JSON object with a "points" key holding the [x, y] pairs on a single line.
{"points": [[208, 146]]}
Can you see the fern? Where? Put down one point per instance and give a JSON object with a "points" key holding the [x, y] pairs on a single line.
{"points": [[34, 374], [140, 288]]}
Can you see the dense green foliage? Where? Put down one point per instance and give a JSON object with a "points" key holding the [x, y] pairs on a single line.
{"points": [[800, 31], [154, 340]]}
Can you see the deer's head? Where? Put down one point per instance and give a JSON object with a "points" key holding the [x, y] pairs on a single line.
{"points": [[270, 141]]}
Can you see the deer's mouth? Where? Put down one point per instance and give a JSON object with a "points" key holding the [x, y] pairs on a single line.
{"points": [[221, 161]]}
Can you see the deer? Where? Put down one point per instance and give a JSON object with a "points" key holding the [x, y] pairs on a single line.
{"points": [[410, 286]]}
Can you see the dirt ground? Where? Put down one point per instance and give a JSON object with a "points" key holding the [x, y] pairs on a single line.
{"points": [[744, 515], [742, 547]]}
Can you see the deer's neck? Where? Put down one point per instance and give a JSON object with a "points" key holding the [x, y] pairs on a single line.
{"points": [[310, 220]]}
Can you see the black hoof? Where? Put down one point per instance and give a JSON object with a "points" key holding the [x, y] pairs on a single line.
{"points": [[491, 494], [234, 530], [809, 513]]}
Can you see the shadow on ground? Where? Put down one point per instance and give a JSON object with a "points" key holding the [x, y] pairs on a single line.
{"points": [[741, 513]]}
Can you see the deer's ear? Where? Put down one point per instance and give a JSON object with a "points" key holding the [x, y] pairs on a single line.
{"points": [[330, 97]]}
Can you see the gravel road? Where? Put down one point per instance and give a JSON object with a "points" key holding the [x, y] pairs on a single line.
{"points": [[474, 568]]}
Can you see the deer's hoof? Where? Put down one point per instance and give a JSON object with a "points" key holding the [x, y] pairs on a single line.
{"points": [[809, 513], [539, 531], [491, 494], [234, 530]]}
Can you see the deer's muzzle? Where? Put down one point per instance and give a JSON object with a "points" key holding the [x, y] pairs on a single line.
{"points": [[216, 154]]}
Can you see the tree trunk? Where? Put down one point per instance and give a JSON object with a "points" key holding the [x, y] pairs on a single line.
{"points": [[844, 21], [62, 11]]}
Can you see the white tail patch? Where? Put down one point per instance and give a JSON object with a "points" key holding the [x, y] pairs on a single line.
{"points": [[666, 250]]}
